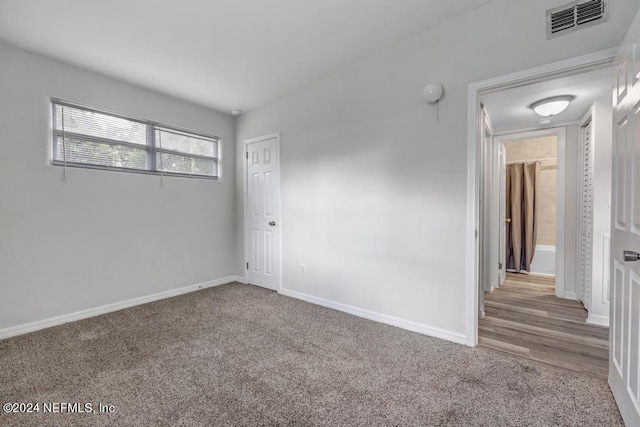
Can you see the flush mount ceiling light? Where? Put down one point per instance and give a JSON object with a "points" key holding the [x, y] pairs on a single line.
{"points": [[551, 106]]}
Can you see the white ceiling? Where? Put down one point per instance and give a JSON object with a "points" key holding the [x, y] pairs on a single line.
{"points": [[220, 53], [509, 109]]}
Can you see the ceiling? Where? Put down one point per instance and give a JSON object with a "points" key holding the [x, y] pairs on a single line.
{"points": [[224, 54], [509, 109]]}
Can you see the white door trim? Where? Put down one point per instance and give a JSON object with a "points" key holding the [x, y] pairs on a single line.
{"points": [[561, 134], [556, 69], [245, 198]]}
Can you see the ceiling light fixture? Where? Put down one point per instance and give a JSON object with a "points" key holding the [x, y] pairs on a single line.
{"points": [[551, 106]]}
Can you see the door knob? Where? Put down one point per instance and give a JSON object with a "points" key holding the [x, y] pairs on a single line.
{"points": [[272, 223], [631, 256], [507, 219]]}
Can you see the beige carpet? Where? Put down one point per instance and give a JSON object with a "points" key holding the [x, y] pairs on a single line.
{"points": [[240, 355]]}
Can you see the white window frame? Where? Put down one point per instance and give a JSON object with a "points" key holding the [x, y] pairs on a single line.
{"points": [[151, 146]]}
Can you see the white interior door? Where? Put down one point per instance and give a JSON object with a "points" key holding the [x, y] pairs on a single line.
{"points": [[624, 357], [262, 208], [502, 209]]}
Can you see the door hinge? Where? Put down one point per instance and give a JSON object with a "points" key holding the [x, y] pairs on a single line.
{"points": [[476, 234], [247, 266], [247, 153]]}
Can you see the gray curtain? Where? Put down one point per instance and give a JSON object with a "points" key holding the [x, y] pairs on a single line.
{"points": [[522, 208]]}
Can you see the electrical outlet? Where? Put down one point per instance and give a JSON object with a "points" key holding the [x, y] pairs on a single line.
{"points": [[303, 269]]}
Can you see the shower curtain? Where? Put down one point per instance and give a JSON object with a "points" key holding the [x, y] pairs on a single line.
{"points": [[522, 208]]}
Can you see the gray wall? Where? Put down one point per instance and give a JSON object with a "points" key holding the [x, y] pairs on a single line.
{"points": [[373, 187], [103, 237]]}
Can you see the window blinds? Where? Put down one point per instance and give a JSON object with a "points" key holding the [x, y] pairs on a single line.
{"points": [[84, 137]]}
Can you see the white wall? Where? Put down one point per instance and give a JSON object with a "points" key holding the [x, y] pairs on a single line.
{"points": [[103, 237], [602, 142], [373, 187]]}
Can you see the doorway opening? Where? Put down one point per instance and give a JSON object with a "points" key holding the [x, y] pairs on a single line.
{"points": [[531, 188], [536, 216], [479, 251]]}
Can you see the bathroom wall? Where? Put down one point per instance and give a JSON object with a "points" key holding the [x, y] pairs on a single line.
{"points": [[531, 149]]}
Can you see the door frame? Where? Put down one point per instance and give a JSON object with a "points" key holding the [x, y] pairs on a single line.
{"points": [[245, 198], [566, 67], [501, 181], [485, 219], [561, 190]]}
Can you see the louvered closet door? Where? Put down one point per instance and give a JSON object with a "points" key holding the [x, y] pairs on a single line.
{"points": [[586, 213]]}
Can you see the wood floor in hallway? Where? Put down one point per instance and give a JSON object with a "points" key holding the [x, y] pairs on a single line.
{"points": [[525, 318]]}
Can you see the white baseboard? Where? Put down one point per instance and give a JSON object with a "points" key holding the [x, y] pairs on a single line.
{"points": [[241, 279], [598, 319], [379, 317], [571, 295], [13, 331]]}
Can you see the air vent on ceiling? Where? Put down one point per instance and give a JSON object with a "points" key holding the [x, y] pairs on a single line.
{"points": [[576, 15]]}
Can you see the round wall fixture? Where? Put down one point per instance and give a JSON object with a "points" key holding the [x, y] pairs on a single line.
{"points": [[433, 92]]}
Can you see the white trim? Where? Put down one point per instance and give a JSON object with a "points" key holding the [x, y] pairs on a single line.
{"points": [[561, 213], [565, 67], [378, 317], [245, 199], [571, 296], [556, 69], [533, 129], [25, 328], [240, 279], [471, 250], [598, 319], [510, 136]]}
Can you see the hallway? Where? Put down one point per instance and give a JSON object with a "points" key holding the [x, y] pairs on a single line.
{"points": [[524, 318]]}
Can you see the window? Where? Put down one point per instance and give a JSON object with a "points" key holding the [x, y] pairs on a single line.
{"points": [[84, 137]]}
